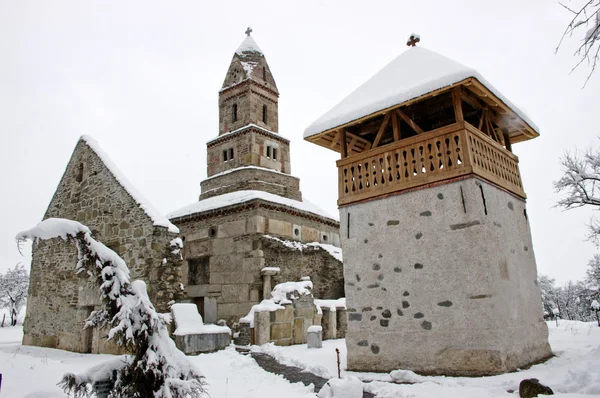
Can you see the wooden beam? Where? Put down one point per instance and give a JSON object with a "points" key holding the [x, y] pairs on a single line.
{"points": [[395, 127], [409, 121], [335, 140], [352, 142], [384, 124], [458, 112], [343, 147], [484, 112]]}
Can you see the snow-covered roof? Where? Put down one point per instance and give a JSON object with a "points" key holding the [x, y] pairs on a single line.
{"points": [[246, 168], [157, 218], [237, 197], [248, 45], [246, 127], [415, 72]]}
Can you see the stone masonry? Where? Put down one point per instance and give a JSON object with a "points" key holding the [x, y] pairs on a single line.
{"points": [[59, 300]]}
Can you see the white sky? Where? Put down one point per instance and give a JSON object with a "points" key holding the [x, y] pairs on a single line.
{"points": [[142, 78]]}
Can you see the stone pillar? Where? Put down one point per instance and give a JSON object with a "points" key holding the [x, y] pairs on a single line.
{"points": [[243, 333], [266, 275], [262, 327], [210, 310], [329, 324], [341, 322], [315, 337]]}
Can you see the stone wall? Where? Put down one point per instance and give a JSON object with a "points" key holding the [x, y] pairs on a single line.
{"points": [[249, 149], [442, 280], [249, 98], [273, 182], [230, 248], [59, 301]]}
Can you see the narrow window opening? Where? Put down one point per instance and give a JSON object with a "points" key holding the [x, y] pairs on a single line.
{"points": [[225, 155], [79, 176], [234, 113], [230, 153], [269, 151], [265, 74], [264, 114], [274, 153]]}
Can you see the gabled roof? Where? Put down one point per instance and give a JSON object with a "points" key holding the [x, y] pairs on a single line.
{"points": [[413, 73], [157, 218]]}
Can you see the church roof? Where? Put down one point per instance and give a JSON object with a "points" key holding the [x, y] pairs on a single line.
{"points": [[157, 218], [248, 46], [237, 197], [413, 73]]}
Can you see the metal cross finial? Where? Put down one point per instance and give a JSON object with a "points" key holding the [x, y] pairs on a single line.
{"points": [[248, 31], [413, 40]]}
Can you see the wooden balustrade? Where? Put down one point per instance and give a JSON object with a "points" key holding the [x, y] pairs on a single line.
{"points": [[449, 152]]}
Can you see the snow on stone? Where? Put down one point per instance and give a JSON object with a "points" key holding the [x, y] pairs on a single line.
{"points": [[331, 304], [189, 321], [53, 228], [335, 252], [347, 387], [406, 376], [157, 218], [415, 72], [280, 291], [595, 305], [265, 305], [237, 197], [242, 168], [247, 46], [271, 269], [315, 328], [244, 128], [249, 67]]}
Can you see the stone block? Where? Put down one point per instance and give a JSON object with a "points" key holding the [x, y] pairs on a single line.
{"points": [[199, 343], [299, 330], [254, 295], [197, 290], [234, 293], [315, 338], [341, 319], [280, 331], [232, 228], [262, 328], [310, 234], [225, 263], [210, 310], [285, 315], [329, 324], [222, 246], [230, 277], [88, 296], [280, 228], [197, 248]]}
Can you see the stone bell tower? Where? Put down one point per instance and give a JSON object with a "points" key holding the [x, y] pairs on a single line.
{"points": [[438, 259]]}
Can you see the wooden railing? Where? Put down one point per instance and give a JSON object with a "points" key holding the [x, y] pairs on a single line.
{"points": [[445, 153]]}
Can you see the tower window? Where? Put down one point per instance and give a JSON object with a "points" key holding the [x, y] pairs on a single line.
{"points": [[234, 113], [264, 113], [269, 151], [225, 155], [230, 153], [274, 153], [265, 74]]}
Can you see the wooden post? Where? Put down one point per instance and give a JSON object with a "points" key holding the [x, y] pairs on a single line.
{"points": [[507, 143], [458, 112], [343, 144], [337, 351]]}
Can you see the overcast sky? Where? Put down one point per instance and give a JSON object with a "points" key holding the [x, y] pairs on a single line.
{"points": [[142, 78]]}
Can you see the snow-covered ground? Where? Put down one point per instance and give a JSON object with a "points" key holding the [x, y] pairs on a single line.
{"points": [[574, 372]]}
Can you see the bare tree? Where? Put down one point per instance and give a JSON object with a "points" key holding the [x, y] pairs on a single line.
{"points": [[580, 185], [586, 19], [13, 290]]}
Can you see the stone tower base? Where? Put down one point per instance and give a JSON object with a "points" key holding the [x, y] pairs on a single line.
{"points": [[442, 280]]}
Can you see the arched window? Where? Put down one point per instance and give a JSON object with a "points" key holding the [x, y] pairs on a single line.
{"points": [[264, 113], [234, 112]]}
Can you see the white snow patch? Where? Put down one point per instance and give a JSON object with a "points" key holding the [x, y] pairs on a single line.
{"points": [[157, 218], [249, 67], [243, 168], [315, 329], [271, 269], [189, 321], [415, 72], [237, 197], [331, 304], [265, 305], [334, 251], [348, 387], [250, 125], [248, 45], [281, 290], [53, 228]]}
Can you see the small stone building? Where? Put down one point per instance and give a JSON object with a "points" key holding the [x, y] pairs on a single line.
{"points": [[94, 192], [248, 199], [440, 271]]}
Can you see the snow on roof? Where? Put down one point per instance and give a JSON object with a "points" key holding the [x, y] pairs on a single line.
{"points": [[412, 74], [334, 251], [331, 304], [248, 45], [244, 168], [237, 197], [250, 125], [157, 218]]}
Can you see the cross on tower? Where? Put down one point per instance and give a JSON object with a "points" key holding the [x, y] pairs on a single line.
{"points": [[413, 40], [248, 31]]}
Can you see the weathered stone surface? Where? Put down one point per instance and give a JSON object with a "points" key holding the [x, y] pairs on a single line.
{"points": [[199, 343], [469, 292], [315, 339]]}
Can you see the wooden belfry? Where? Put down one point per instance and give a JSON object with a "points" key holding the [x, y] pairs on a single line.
{"points": [[463, 128], [438, 261]]}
